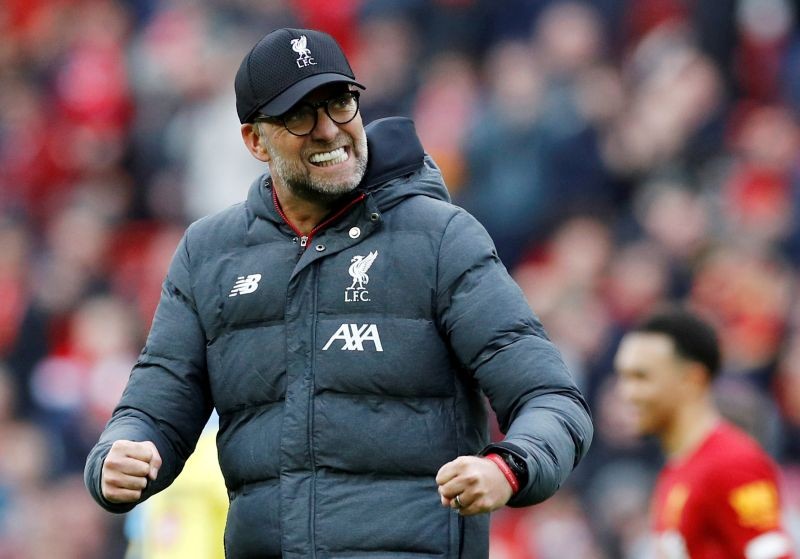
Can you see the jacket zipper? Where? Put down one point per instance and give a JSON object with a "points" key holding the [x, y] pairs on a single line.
{"points": [[313, 492], [305, 239]]}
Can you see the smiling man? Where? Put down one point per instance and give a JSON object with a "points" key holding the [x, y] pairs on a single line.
{"points": [[717, 497], [316, 160], [347, 323]]}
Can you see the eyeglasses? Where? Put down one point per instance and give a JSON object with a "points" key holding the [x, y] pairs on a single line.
{"points": [[301, 120]]}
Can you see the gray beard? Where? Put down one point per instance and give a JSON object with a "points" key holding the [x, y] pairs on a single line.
{"points": [[319, 191]]}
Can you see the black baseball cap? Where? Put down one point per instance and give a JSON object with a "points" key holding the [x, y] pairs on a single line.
{"points": [[283, 67]]}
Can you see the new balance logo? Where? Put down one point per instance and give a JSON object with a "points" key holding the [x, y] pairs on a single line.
{"points": [[245, 285], [354, 337]]}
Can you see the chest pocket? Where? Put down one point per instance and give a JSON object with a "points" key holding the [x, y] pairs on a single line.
{"points": [[355, 281], [251, 286], [390, 274], [246, 352]]}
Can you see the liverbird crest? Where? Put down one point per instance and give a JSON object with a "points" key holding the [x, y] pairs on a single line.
{"points": [[299, 46], [358, 269]]}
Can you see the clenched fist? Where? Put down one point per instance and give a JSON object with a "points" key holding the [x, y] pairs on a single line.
{"points": [[127, 468], [477, 482]]}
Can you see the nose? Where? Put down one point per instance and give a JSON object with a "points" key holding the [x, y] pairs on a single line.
{"points": [[325, 129]]}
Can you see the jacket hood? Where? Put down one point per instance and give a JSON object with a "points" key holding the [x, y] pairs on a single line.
{"points": [[397, 169]]}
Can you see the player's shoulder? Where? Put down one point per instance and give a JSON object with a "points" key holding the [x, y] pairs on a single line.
{"points": [[729, 441], [730, 457]]}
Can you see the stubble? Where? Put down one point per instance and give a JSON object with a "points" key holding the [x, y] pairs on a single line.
{"points": [[297, 178]]}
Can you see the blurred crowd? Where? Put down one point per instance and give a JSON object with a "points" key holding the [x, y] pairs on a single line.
{"points": [[622, 153]]}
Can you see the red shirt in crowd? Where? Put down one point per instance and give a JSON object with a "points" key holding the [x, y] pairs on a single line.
{"points": [[720, 502]]}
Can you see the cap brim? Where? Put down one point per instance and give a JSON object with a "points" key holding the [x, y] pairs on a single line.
{"points": [[287, 99]]}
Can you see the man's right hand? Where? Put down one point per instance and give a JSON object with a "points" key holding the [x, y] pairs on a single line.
{"points": [[126, 470]]}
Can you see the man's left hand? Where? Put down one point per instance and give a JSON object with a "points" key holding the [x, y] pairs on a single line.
{"points": [[477, 482]]}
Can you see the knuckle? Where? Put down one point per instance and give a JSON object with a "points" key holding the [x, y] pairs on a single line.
{"points": [[108, 477], [471, 478], [130, 495], [111, 467], [119, 445]]}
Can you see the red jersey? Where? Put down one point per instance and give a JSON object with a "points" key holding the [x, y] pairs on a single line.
{"points": [[720, 502]]}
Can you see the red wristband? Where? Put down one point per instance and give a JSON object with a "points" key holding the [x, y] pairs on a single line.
{"points": [[512, 479]]}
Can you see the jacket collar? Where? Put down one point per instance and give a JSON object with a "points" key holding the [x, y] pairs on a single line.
{"points": [[394, 151]]}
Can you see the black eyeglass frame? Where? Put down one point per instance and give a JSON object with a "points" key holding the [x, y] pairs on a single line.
{"points": [[315, 106]]}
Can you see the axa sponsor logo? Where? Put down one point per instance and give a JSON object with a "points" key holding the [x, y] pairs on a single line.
{"points": [[354, 336], [245, 285], [299, 46], [358, 269]]}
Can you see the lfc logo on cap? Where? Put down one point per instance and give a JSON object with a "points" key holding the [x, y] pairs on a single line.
{"points": [[299, 46]]}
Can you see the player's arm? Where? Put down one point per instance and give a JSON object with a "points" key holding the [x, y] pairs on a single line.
{"points": [[164, 406], [748, 510], [494, 334]]}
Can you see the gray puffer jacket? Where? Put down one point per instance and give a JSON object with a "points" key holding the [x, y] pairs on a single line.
{"points": [[348, 371]]}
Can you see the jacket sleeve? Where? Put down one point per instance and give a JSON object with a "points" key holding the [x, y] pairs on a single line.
{"points": [[494, 334], [167, 399]]}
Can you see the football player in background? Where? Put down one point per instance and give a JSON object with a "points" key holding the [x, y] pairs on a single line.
{"points": [[717, 497]]}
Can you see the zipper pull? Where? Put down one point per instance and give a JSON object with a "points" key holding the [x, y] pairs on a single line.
{"points": [[303, 241]]}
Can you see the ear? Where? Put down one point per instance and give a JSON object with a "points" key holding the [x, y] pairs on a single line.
{"points": [[698, 375], [253, 142]]}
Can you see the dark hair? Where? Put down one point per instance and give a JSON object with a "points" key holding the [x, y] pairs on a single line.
{"points": [[694, 338]]}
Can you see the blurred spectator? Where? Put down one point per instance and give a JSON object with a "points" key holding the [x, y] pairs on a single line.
{"points": [[445, 105], [637, 282], [675, 109], [77, 387], [14, 301], [764, 29], [747, 292], [662, 203], [507, 184], [759, 196], [388, 45], [570, 44], [787, 393], [186, 67], [563, 278]]}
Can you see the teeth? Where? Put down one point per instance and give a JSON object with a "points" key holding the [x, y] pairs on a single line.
{"points": [[329, 157]]}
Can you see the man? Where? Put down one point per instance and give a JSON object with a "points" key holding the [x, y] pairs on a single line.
{"points": [[717, 497], [345, 322]]}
